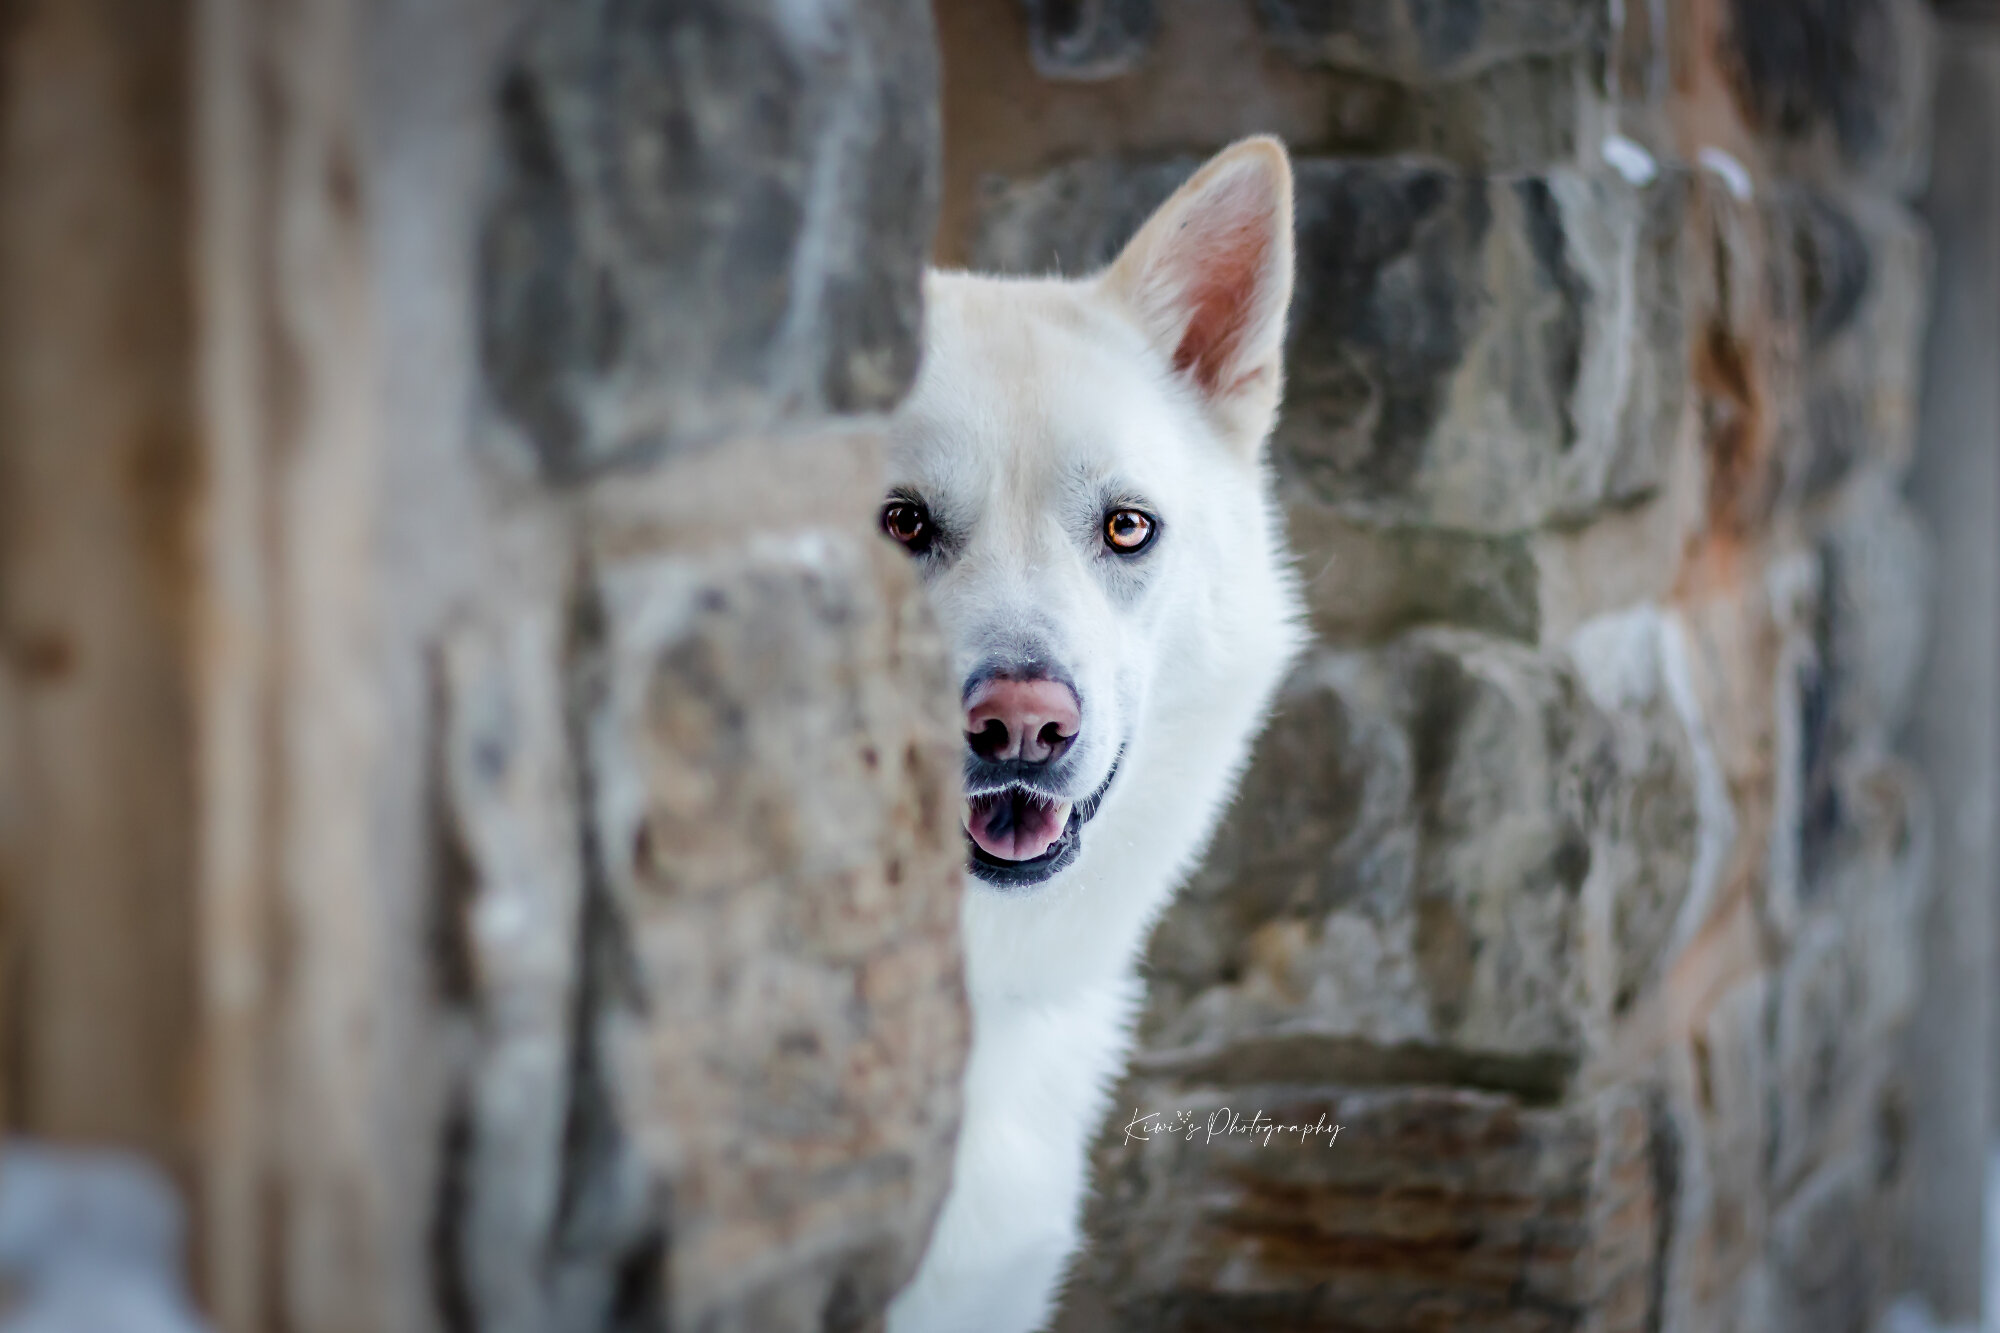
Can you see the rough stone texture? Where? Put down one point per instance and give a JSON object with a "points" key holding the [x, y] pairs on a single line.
{"points": [[1089, 39], [771, 166], [458, 614], [1216, 71], [1414, 42], [511, 896], [1419, 289], [694, 903], [1866, 270], [1368, 582], [1602, 381], [699, 904], [1500, 1215], [786, 801], [1419, 894], [1835, 86]]}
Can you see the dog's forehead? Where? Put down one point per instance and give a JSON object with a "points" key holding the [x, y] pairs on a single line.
{"points": [[1032, 375]]}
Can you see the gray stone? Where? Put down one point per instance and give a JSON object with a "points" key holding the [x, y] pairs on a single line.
{"points": [[709, 218], [1485, 356], [1418, 42], [1072, 220], [1089, 39], [1464, 353], [1662, 825], [1876, 570], [1835, 85], [1365, 583], [1851, 686], [1431, 842], [774, 760], [1404, 866], [702, 825], [1864, 271], [1830, 1251], [510, 916], [1525, 115], [1851, 979], [1522, 115]]}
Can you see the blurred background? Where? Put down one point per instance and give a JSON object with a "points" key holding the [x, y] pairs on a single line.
{"points": [[477, 800]]}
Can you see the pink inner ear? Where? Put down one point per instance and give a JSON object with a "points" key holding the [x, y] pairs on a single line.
{"points": [[1224, 272]]}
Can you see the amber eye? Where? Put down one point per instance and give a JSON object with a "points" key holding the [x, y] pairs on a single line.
{"points": [[1128, 531], [908, 525]]}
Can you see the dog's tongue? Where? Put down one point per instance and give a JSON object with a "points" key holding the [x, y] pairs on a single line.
{"points": [[1014, 826]]}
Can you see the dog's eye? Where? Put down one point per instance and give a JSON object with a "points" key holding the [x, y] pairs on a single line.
{"points": [[908, 525], [1128, 531]]}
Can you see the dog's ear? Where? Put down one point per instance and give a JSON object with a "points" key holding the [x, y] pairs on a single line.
{"points": [[1209, 278]]}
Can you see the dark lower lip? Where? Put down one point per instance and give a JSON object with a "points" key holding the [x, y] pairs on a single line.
{"points": [[1016, 875]]}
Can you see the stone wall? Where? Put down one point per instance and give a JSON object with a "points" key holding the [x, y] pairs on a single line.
{"points": [[1578, 876], [476, 799], [478, 796]]}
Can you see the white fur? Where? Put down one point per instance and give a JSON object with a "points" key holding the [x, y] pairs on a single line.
{"points": [[1039, 399]]}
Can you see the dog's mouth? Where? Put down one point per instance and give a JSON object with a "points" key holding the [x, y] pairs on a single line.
{"points": [[1017, 824], [1019, 836]]}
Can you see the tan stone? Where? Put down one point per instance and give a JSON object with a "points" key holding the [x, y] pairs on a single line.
{"points": [[1431, 1208]]}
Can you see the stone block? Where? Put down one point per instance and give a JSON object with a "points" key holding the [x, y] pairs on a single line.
{"points": [[1808, 306], [1489, 86], [1365, 583], [1663, 825], [1524, 115], [1430, 843], [1423, 43], [707, 926], [1818, 1067], [1724, 1195], [1874, 619], [1865, 273], [1483, 355], [775, 760], [1746, 312], [1432, 1208], [1851, 978], [1834, 86], [1404, 864], [1808, 309], [1859, 641], [1089, 39], [710, 218], [1629, 557], [1830, 1251], [509, 918]]}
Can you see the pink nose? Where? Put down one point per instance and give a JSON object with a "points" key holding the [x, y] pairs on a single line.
{"points": [[1033, 721]]}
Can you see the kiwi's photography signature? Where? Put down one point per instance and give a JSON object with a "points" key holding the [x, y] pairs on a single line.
{"points": [[1223, 1123]]}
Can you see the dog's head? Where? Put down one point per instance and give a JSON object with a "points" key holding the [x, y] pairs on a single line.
{"points": [[1077, 473]]}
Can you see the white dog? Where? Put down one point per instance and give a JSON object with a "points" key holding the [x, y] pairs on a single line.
{"points": [[1079, 474]]}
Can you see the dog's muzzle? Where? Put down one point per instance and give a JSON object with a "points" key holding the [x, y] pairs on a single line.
{"points": [[1019, 837]]}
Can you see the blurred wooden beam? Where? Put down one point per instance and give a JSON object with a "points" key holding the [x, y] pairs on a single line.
{"points": [[96, 470]]}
